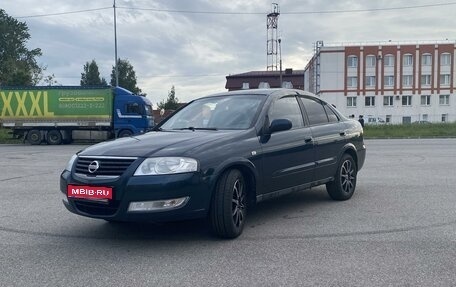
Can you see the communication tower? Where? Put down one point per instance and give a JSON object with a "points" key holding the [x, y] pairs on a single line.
{"points": [[272, 22]]}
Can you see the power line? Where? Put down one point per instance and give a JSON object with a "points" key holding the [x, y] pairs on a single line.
{"points": [[291, 13], [63, 13], [247, 13], [373, 9]]}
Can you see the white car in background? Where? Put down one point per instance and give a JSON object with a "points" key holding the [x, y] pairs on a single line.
{"points": [[371, 120]]}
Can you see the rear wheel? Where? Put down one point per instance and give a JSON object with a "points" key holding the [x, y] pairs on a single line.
{"points": [[344, 184], [34, 137], [54, 137], [229, 205]]}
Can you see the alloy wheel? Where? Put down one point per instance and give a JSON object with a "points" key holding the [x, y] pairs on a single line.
{"points": [[238, 203]]}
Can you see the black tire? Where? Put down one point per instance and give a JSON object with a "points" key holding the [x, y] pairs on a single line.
{"points": [[125, 133], [54, 137], [344, 184], [34, 137], [229, 205]]}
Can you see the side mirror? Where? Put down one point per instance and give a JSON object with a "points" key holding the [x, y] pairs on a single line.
{"points": [[278, 125]]}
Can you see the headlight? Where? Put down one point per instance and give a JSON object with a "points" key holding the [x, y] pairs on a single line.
{"points": [[166, 165], [70, 162]]}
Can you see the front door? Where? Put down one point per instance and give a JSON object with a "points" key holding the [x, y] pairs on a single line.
{"points": [[288, 156]]}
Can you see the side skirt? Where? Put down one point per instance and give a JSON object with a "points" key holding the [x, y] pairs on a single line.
{"points": [[282, 192]]}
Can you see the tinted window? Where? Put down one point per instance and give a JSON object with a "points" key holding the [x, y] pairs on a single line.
{"points": [[315, 111], [286, 108], [331, 114]]}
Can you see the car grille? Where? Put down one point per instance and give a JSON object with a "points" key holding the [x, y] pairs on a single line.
{"points": [[107, 166], [94, 208]]}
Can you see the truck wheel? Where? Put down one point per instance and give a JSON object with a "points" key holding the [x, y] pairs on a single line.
{"points": [[344, 184], [229, 205], [125, 133], [54, 137], [34, 137]]}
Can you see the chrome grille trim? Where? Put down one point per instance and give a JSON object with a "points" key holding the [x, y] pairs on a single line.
{"points": [[109, 166]]}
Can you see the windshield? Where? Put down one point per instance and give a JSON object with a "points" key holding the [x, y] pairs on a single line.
{"points": [[218, 113], [148, 109]]}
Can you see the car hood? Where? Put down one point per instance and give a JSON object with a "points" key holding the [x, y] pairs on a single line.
{"points": [[160, 143]]}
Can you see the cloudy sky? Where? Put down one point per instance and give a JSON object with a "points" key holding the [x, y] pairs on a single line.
{"points": [[195, 44]]}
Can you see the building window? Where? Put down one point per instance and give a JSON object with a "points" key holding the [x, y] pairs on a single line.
{"points": [[406, 101], [245, 86], [407, 60], [425, 117], [425, 80], [407, 120], [445, 59], [352, 61], [444, 100], [371, 61], [388, 60], [426, 100], [369, 102], [444, 118], [388, 101], [388, 119], [426, 60], [351, 101], [370, 81], [407, 80], [445, 79], [352, 82], [389, 81]]}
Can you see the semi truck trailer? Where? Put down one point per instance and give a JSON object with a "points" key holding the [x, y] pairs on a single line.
{"points": [[61, 114]]}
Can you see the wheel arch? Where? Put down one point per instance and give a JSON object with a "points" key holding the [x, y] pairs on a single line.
{"points": [[350, 149], [248, 170]]}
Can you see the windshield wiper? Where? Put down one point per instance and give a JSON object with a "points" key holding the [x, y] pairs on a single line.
{"points": [[198, 129]]}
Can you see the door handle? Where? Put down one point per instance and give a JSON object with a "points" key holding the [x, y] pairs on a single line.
{"points": [[308, 139], [342, 134]]}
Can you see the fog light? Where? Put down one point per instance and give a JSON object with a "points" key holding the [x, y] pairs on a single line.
{"points": [[157, 205]]}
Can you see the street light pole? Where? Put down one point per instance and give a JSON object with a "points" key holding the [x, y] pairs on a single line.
{"points": [[280, 60], [115, 44]]}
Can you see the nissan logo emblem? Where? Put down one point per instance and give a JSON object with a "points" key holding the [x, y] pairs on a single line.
{"points": [[93, 166]]}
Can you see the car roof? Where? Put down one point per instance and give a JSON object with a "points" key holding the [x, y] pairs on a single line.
{"points": [[266, 92]]}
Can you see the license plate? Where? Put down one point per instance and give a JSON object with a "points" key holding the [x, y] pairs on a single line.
{"points": [[89, 192]]}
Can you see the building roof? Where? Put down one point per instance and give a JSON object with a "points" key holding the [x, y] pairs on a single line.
{"points": [[254, 78]]}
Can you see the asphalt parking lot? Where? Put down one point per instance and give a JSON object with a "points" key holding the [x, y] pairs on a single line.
{"points": [[399, 229]]}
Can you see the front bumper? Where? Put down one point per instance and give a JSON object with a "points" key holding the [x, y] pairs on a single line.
{"points": [[127, 189]]}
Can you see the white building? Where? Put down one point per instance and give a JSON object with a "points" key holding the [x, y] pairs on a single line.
{"points": [[399, 83]]}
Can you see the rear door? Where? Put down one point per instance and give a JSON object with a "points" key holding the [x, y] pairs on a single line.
{"points": [[328, 134], [288, 156]]}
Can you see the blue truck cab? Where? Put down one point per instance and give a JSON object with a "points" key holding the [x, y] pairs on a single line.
{"points": [[132, 114]]}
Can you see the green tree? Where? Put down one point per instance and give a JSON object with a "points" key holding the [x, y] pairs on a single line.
{"points": [[49, 80], [127, 77], [91, 75], [171, 103], [18, 63]]}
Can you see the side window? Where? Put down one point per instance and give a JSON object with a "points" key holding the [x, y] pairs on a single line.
{"points": [[315, 111], [332, 117], [132, 108], [286, 108]]}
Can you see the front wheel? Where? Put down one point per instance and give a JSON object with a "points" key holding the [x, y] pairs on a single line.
{"points": [[125, 134], [344, 184], [229, 209]]}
